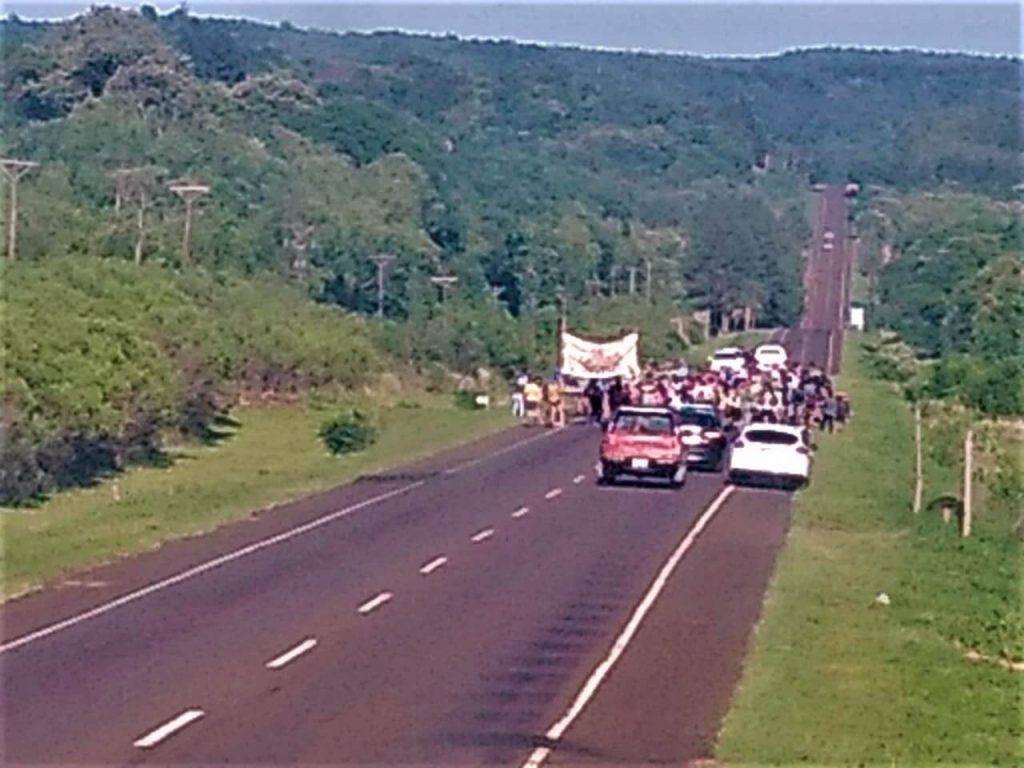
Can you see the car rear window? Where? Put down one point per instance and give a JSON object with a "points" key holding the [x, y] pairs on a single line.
{"points": [[699, 419], [770, 437], [728, 355], [646, 423]]}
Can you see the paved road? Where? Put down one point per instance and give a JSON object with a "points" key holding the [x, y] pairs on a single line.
{"points": [[489, 606], [819, 339]]}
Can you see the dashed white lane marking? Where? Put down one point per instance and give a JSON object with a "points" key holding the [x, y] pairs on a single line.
{"points": [[209, 565], [555, 732], [293, 653], [245, 551], [579, 479], [157, 735], [375, 603], [433, 565], [554, 493], [521, 512], [483, 535]]}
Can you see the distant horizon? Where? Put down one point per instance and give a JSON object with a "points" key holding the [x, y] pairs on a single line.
{"points": [[727, 30]]}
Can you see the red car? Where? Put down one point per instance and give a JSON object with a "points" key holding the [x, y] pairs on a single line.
{"points": [[643, 442]]}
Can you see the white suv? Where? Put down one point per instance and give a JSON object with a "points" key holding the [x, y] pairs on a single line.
{"points": [[728, 359]]}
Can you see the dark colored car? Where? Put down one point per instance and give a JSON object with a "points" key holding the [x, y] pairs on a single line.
{"points": [[706, 436], [643, 442]]}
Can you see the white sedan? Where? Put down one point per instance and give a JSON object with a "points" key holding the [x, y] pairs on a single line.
{"points": [[770, 356], [728, 359], [773, 453]]}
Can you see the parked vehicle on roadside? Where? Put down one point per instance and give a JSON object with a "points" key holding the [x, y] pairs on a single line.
{"points": [[774, 454], [643, 442]]}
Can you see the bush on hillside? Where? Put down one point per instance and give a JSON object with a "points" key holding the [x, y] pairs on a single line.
{"points": [[350, 431], [103, 358]]}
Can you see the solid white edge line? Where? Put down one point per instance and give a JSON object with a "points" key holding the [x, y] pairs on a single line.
{"points": [[375, 602], [521, 512], [586, 693], [160, 733], [209, 565], [433, 565], [483, 535], [237, 554], [554, 493], [293, 653], [500, 452]]}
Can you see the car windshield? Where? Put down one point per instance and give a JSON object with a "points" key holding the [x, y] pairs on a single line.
{"points": [[771, 437], [704, 419], [644, 423]]}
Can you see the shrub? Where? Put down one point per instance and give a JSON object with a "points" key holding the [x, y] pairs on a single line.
{"points": [[348, 432]]}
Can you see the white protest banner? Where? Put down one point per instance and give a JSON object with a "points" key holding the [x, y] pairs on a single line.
{"points": [[583, 359]]}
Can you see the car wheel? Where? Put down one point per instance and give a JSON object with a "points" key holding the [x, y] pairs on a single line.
{"points": [[607, 475]]}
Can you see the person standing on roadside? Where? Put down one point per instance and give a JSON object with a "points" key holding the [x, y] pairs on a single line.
{"points": [[595, 398], [518, 396], [828, 413], [556, 406], [532, 396]]}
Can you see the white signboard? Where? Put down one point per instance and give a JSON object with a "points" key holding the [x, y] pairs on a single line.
{"points": [[583, 359], [857, 318]]}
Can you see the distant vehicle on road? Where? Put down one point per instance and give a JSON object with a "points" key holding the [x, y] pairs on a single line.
{"points": [[643, 442], [727, 359], [770, 356], [771, 453], [827, 245], [829, 235], [704, 433]]}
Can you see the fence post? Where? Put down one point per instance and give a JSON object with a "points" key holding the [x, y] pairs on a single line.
{"points": [[968, 473], [918, 468]]}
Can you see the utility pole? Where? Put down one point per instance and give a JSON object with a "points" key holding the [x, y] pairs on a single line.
{"points": [[968, 492], [301, 240], [189, 192], [14, 170], [133, 183], [381, 260], [632, 280], [647, 284], [918, 461], [444, 282]]}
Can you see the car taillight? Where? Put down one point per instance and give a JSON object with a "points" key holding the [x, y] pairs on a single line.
{"points": [[738, 444], [803, 450]]}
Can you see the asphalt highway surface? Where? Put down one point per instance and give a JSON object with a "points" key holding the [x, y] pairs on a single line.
{"points": [[489, 606]]}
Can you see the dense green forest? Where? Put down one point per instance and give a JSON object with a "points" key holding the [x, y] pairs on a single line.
{"points": [[946, 271], [627, 189]]}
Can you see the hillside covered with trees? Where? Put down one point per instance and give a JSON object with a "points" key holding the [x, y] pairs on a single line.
{"points": [[630, 189]]}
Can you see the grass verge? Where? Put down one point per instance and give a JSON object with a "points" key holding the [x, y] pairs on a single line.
{"points": [[835, 678], [272, 456]]}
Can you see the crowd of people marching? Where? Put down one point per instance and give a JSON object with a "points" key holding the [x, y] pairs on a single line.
{"points": [[790, 394]]}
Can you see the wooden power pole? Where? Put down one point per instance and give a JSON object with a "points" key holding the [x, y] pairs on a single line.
{"points": [[444, 282], [918, 462], [381, 260], [189, 192], [14, 170], [968, 491]]}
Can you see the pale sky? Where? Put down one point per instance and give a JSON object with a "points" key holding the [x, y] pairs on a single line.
{"points": [[706, 28]]}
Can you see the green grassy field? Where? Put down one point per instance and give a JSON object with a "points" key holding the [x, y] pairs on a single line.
{"points": [[274, 455], [835, 678]]}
